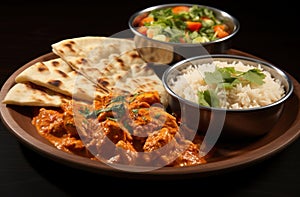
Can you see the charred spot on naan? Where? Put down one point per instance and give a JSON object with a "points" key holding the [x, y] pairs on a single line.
{"points": [[44, 90], [55, 83], [42, 67], [131, 57], [69, 46], [81, 61], [55, 63], [103, 82], [119, 63], [63, 74]]}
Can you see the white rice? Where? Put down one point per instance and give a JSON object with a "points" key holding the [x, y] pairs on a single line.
{"points": [[191, 80]]}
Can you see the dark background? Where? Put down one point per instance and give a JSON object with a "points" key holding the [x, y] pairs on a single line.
{"points": [[269, 30]]}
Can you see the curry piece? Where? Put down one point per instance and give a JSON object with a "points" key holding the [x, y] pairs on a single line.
{"points": [[58, 128]]}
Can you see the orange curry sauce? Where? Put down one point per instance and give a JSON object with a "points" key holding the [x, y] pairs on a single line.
{"points": [[134, 123]]}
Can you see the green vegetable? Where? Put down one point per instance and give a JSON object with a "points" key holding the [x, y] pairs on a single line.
{"points": [[120, 109], [254, 76], [135, 111], [227, 78], [120, 98], [208, 98]]}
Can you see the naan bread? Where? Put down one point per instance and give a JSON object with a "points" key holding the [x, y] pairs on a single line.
{"points": [[112, 63], [54, 74], [95, 49], [86, 68], [28, 94], [58, 76]]}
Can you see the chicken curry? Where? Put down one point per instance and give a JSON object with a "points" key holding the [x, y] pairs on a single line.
{"points": [[116, 129]]}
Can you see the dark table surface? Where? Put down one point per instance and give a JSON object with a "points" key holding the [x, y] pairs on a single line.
{"points": [[28, 29]]}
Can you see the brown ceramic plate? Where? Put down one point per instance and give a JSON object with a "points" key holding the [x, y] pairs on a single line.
{"points": [[230, 156]]}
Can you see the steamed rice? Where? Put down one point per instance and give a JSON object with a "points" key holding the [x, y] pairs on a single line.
{"points": [[241, 96]]}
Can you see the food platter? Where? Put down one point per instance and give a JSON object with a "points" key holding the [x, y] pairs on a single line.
{"points": [[233, 155]]}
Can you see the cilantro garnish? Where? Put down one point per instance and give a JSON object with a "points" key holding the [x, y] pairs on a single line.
{"points": [[208, 98], [226, 78]]}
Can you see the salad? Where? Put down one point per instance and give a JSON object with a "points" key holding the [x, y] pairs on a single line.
{"points": [[183, 24]]}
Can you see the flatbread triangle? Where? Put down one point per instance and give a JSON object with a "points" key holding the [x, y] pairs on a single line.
{"points": [[112, 63]]}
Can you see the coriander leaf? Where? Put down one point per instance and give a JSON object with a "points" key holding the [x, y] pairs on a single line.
{"points": [[228, 74], [226, 85], [119, 109], [254, 76], [208, 98], [213, 77], [212, 98], [201, 99], [84, 111], [235, 82], [135, 111], [118, 99]]}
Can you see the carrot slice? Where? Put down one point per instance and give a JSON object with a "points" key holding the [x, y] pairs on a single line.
{"points": [[218, 27], [147, 19], [179, 9], [220, 30]]}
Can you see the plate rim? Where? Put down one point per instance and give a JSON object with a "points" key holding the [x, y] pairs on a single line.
{"points": [[51, 152]]}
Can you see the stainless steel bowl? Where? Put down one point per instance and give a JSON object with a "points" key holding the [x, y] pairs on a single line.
{"points": [[154, 51], [249, 122]]}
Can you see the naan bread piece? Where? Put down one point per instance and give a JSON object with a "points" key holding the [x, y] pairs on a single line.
{"points": [[111, 63], [54, 74], [95, 49], [58, 76], [28, 94]]}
